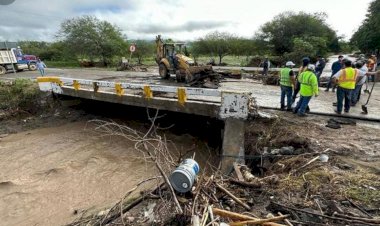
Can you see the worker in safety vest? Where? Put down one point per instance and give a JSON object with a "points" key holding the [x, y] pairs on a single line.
{"points": [[305, 62], [346, 80], [308, 88], [287, 82]]}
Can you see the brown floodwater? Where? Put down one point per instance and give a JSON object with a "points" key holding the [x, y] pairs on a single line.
{"points": [[46, 174]]}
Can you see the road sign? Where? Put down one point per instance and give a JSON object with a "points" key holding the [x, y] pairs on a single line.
{"points": [[132, 48]]}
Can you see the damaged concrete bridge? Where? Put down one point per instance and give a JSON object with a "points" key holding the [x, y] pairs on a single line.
{"points": [[233, 107]]}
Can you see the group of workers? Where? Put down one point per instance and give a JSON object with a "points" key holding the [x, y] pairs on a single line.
{"points": [[347, 79]]}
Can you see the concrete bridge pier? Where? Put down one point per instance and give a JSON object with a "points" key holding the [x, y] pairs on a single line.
{"points": [[233, 144], [234, 111]]}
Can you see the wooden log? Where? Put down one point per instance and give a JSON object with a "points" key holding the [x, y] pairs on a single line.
{"points": [[232, 215], [236, 199], [259, 221], [238, 216], [246, 184], [368, 220], [286, 220], [238, 172], [326, 216]]}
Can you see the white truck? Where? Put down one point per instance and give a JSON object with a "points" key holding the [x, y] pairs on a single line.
{"points": [[13, 60]]}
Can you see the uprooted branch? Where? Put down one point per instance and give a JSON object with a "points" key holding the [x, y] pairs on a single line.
{"points": [[153, 147]]}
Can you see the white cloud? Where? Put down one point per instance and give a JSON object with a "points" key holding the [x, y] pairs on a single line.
{"points": [[179, 19]]}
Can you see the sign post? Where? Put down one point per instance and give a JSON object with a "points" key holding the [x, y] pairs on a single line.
{"points": [[132, 49]]}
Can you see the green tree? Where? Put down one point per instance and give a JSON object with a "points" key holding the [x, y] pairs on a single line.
{"points": [[90, 37], [282, 31], [367, 37], [143, 49], [301, 48], [243, 47], [33, 47], [215, 43]]}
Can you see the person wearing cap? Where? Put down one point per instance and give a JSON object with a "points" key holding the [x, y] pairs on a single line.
{"points": [[309, 88], [355, 95], [346, 80], [305, 62], [320, 65], [336, 66], [287, 82]]}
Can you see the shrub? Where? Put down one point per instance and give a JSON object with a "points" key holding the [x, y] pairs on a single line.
{"points": [[20, 94]]}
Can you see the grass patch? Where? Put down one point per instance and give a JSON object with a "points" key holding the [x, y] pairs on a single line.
{"points": [[362, 186], [20, 94], [364, 195], [62, 64]]}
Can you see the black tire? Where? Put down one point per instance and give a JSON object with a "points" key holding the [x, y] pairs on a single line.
{"points": [[163, 71], [189, 78], [179, 76], [2, 70], [32, 67]]}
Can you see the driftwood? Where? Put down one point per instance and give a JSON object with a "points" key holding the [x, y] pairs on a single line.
{"points": [[374, 221], [238, 216], [236, 199], [179, 209], [359, 208], [286, 220], [246, 184], [260, 221], [232, 215], [328, 217], [238, 172]]}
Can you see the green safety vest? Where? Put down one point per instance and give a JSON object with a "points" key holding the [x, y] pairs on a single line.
{"points": [[309, 84], [348, 77], [284, 77]]}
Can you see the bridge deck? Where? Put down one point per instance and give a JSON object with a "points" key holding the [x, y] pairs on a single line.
{"points": [[265, 95]]}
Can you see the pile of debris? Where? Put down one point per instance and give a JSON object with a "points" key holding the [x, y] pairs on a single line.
{"points": [[223, 200], [296, 185], [124, 65], [211, 78]]}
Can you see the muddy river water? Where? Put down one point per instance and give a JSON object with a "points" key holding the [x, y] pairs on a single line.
{"points": [[46, 174]]}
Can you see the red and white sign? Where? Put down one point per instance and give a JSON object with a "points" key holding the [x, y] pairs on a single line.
{"points": [[132, 48]]}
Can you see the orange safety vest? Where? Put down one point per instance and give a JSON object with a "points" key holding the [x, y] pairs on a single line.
{"points": [[348, 77]]}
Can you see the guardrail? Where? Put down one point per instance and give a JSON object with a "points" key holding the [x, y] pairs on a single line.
{"points": [[55, 83], [232, 105]]}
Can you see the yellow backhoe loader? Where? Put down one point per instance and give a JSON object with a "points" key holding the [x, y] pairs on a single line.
{"points": [[171, 60]]}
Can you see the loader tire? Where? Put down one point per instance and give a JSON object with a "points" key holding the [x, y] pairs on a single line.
{"points": [[179, 76], [189, 78], [32, 67], [2, 70], [163, 71]]}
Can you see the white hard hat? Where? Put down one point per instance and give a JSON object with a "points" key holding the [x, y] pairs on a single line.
{"points": [[311, 67], [290, 64]]}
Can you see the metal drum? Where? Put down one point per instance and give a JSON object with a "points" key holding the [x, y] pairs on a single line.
{"points": [[182, 179]]}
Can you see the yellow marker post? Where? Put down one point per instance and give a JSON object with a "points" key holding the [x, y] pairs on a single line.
{"points": [[119, 89], [50, 79], [148, 92], [181, 95], [76, 85]]}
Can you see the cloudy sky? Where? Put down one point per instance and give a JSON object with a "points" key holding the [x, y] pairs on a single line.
{"points": [[178, 19]]}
